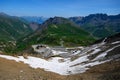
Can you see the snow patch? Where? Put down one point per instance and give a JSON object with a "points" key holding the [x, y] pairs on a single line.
{"points": [[52, 65], [57, 52], [64, 66], [116, 42]]}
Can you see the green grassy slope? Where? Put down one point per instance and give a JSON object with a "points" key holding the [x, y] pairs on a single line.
{"points": [[11, 28], [65, 34], [56, 32]]}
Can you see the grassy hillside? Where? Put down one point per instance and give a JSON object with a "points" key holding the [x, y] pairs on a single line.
{"points": [[57, 32], [12, 28], [66, 34]]}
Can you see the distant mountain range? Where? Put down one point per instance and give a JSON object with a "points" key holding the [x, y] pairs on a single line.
{"points": [[35, 19], [99, 25], [58, 31]]}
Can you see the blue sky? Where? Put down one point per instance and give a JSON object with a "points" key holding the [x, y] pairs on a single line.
{"points": [[65, 8]]}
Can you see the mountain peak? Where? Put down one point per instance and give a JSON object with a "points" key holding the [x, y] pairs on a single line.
{"points": [[36, 19], [3, 14], [58, 20], [58, 29]]}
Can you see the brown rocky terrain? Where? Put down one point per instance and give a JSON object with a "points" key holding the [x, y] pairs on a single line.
{"points": [[11, 70]]}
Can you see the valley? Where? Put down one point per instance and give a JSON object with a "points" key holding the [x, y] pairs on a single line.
{"points": [[57, 49]]}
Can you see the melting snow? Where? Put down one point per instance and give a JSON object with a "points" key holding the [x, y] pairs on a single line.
{"points": [[115, 42], [51, 65], [79, 60], [54, 64], [67, 67], [57, 52], [105, 53]]}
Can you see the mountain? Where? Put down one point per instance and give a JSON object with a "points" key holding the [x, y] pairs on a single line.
{"points": [[99, 25], [12, 28], [34, 26], [35, 19], [60, 31]]}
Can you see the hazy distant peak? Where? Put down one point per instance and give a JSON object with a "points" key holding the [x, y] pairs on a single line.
{"points": [[3, 14], [36, 19]]}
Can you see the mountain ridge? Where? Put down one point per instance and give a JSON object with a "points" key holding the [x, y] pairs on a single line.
{"points": [[35, 19], [56, 31], [58, 27], [99, 25]]}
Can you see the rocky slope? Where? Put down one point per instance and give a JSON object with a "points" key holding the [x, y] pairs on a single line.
{"points": [[78, 60], [34, 26]]}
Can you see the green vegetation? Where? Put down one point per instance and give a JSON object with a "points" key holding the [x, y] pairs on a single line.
{"points": [[99, 25], [68, 34], [56, 32], [57, 35], [11, 28], [99, 31]]}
